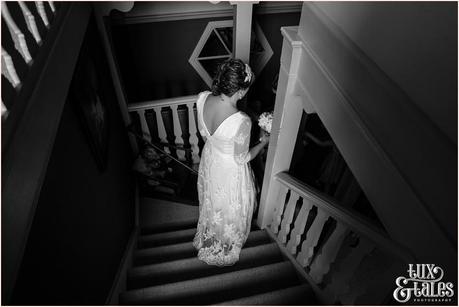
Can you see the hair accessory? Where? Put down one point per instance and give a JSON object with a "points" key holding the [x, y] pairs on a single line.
{"points": [[248, 73]]}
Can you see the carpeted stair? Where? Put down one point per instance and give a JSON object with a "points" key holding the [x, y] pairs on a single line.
{"points": [[166, 271]]}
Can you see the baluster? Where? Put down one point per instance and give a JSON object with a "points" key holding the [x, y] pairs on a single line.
{"points": [[16, 34], [312, 236], [8, 69], [342, 276], [161, 129], [177, 132], [321, 264], [278, 210], [51, 5], [150, 118], [288, 217], [143, 125], [30, 21], [4, 111], [41, 11], [300, 225], [182, 113], [193, 130]]}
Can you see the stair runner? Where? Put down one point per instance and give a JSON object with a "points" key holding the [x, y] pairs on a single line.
{"points": [[166, 271]]}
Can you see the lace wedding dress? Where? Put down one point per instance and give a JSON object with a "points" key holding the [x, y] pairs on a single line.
{"points": [[226, 189]]}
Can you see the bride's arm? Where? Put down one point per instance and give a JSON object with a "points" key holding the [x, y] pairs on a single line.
{"points": [[242, 154], [255, 150]]}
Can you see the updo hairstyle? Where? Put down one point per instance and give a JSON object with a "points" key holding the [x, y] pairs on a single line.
{"points": [[231, 77]]}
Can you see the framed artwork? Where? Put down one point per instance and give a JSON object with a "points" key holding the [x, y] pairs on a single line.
{"points": [[88, 98]]}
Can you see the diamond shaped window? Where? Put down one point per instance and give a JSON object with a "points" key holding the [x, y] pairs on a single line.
{"points": [[216, 45]]}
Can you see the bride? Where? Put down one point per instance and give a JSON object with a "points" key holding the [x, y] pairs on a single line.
{"points": [[226, 186]]}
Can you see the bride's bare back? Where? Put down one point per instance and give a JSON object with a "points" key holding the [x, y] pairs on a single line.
{"points": [[215, 112]]}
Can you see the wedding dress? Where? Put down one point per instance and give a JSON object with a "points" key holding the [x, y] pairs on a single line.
{"points": [[226, 189]]}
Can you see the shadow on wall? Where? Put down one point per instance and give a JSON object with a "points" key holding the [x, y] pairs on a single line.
{"points": [[415, 44], [84, 215]]}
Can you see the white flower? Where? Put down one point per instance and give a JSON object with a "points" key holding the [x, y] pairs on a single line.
{"points": [[265, 121], [248, 73]]}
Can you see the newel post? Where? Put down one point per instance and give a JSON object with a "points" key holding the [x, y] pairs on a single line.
{"points": [[287, 116]]}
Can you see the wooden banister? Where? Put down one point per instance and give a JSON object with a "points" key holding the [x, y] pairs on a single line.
{"points": [[167, 102], [172, 125], [330, 245], [350, 218], [26, 41]]}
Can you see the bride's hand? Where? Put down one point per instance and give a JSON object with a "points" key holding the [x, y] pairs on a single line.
{"points": [[264, 137]]}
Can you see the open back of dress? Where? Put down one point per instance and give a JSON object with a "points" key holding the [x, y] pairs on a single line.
{"points": [[226, 189]]}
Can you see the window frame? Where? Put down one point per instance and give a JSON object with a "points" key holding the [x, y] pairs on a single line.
{"points": [[257, 67]]}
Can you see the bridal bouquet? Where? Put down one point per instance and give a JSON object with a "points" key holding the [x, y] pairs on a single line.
{"points": [[265, 121]]}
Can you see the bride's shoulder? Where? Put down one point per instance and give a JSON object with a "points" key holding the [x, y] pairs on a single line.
{"points": [[244, 119], [245, 116]]}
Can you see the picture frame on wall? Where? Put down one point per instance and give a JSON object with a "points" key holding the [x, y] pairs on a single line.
{"points": [[91, 107]]}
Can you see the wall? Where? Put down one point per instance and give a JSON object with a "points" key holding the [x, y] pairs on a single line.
{"points": [[405, 165], [84, 216], [153, 57], [271, 24], [415, 43]]}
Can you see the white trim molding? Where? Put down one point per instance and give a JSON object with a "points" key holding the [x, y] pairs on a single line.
{"points": [[146, 12]]}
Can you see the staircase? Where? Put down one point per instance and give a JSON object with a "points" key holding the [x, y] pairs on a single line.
{"points": [[166, 270]]}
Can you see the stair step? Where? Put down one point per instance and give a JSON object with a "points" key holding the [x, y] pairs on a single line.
{"points": [[216, 288], [171, 237], [169, 226], [186, 250], [185, 269], [165, 238], [298, 295]]}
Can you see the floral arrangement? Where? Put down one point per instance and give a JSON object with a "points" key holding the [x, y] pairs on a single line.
{"points": [[265, 121]]}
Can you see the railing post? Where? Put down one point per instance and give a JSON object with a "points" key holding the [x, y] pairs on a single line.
{"points": [[287, 116], [177, 132], [193, 130], [242, 29], [16, 34], [30, 21], [8, 69], [42, 13]]}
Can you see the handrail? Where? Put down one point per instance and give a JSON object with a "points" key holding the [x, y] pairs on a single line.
{"points": [[352, 219], [162, 102]]}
